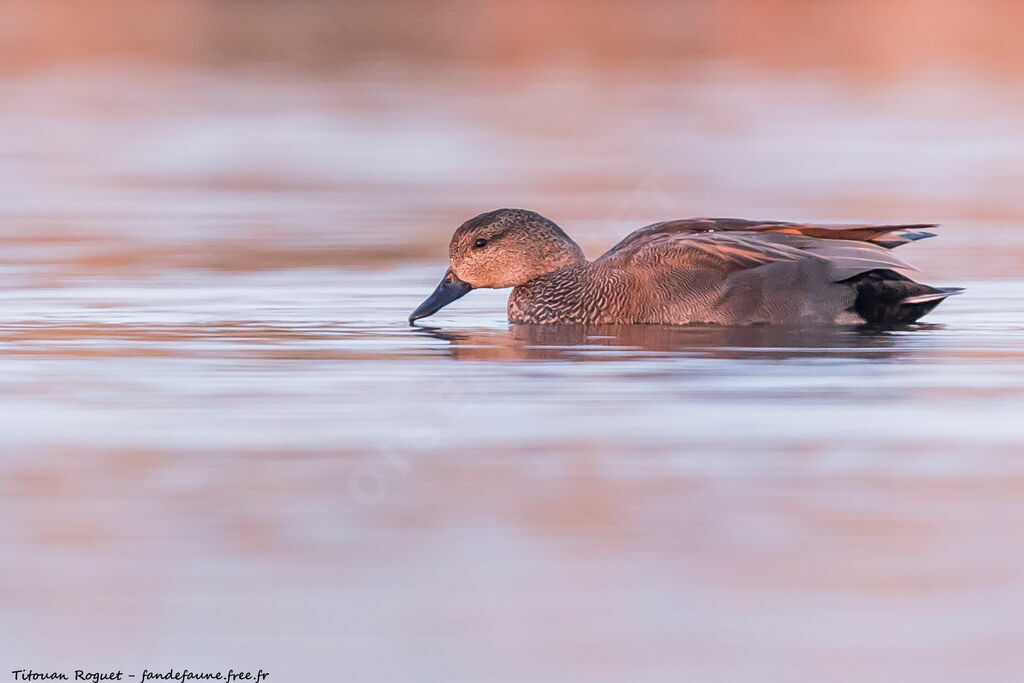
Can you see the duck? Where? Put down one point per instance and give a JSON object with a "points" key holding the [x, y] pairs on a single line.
{"points": [[713, 271]]}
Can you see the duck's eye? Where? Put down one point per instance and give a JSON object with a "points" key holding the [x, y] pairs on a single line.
{"points": [[480, 243]]}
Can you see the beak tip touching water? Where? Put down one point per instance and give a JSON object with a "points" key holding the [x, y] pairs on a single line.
{"points": [[449, 289], [416, 315]]}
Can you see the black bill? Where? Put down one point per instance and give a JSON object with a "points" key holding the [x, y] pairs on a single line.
{"points": [[450, 289]]}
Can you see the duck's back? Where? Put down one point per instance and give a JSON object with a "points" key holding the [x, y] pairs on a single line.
{"points": [[735, 272]]}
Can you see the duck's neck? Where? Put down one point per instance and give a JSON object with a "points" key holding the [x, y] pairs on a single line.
{"points": [[562, 276], [570, 255], [554, 296]]}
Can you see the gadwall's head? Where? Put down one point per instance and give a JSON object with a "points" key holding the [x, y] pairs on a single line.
{"points": [[503, 248]]}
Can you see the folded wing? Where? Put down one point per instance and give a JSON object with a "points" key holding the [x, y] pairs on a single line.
{"points": [[733, 244], [888, 236]]}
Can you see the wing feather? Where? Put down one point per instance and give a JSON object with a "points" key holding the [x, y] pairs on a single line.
{"points": [[731, 251], [888, 236]]}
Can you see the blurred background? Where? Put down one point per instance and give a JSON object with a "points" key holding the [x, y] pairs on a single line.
{"points": [[310, 133], [222, 446]]}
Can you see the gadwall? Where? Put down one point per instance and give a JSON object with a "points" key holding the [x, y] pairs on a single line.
{"points": [[698, 270]]}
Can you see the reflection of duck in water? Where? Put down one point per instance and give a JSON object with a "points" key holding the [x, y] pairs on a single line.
{"points": [[622, 342], [705, 270]]}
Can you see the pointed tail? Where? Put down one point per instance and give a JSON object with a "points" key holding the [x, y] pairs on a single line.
{"points": [[885, 297]]}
